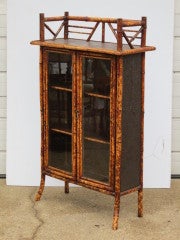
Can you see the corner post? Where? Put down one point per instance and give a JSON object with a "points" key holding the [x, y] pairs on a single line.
{"points": [[119, 34], [143, 36], [118, 142], [140, 191], [103, 32], [41, 21], [66, 15], [41, 76]]}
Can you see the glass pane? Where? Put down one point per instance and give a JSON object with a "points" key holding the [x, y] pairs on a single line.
{"points": [[96, 161], [96, 118], [60, 70], [96, 75], [60, 151], [60, 109]]}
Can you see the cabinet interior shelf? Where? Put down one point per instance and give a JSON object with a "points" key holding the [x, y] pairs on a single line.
{"points": [[64, 131], [68, 132], [61, 88], [96, 140], [93, 94]]}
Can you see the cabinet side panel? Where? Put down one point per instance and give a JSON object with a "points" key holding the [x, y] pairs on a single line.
{"points": [[131, 122]]}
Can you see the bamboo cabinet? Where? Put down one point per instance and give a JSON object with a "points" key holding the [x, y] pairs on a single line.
{"points": [[92, 104]]}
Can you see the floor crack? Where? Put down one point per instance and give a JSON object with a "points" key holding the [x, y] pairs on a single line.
{"points": [[36, 215]]}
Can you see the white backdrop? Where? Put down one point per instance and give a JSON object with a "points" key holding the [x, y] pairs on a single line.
{"points": [[23, 115]]}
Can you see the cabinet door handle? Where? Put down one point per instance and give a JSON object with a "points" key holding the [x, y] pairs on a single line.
{"points": [[77, 113]]}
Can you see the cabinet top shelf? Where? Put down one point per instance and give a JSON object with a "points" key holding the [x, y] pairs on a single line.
{"points": [[76, 33]]}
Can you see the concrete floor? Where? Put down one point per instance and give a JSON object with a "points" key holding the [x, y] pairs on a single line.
{"points": [[87, 215]]}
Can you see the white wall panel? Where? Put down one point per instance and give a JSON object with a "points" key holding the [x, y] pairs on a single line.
{"points": [[3, 134], [3, 7], [2, 162], [176, 135], [175, 162], [3, 43], [177, 25], [3, 60], [3, 24], [2, 107], [176, 54], [176, 96], [3, 66], [176, 84], [177, 6], [3, 20], [3, 31], [176, 108], [3, 85], [175, 169]]}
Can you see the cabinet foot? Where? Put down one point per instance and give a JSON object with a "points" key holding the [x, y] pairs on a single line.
{"points": [[41, 188], [116, 212], [66, 187], [140, 203]]}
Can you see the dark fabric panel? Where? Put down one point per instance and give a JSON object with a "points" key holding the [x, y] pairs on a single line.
{"points": [[131, 122]]}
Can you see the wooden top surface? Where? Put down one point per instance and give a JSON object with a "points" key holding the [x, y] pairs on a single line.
{"points": [[91, 46]]}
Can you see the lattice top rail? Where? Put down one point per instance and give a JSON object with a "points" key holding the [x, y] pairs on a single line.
{"points": [[124, 30]]}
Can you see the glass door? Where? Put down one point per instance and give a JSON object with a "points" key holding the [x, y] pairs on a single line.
{"points": [[97, 135], [60, 111]]}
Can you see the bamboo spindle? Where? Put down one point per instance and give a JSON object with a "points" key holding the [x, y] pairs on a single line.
{"points": [[119, 34], [66, 15], [41, 21], [143, 36], [103, 32]]}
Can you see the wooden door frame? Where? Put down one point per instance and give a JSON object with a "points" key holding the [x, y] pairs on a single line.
{"points": [[94, 184]]}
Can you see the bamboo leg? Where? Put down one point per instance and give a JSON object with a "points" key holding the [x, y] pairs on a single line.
{"points": [[41, 188], [66, 187], [116, 212], [140, 203]]}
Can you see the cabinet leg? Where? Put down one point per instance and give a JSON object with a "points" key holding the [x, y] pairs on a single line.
{"points": [[66, 187], [116, 211], [41, 188], [140, 203]]}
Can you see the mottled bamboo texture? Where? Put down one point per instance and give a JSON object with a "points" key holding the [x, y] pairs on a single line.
{"points": [[124, 30], [140, 191], [115, 53], [118, 141], [42, 104]]}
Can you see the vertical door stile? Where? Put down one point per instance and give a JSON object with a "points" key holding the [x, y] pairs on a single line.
{"points": [[78, 115], [112, 122], [45, 99], [74, 120], [41, 106], [119, 123]]}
